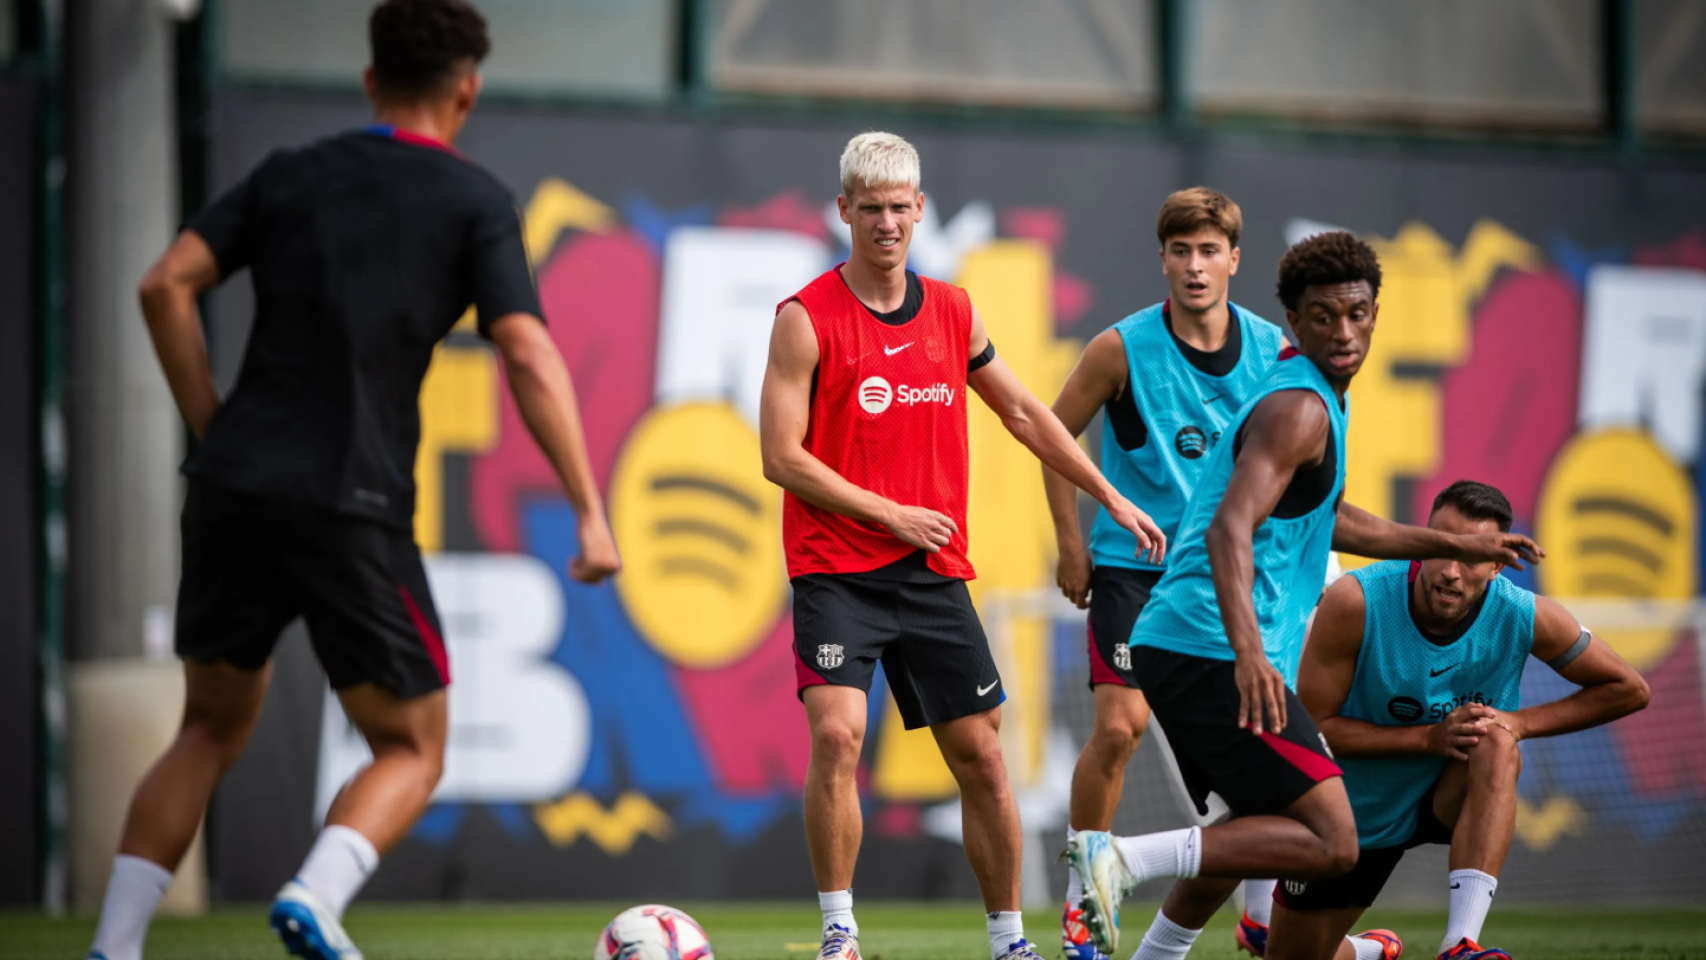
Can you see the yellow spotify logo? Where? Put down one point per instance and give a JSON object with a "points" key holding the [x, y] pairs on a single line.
{"points": [[700, 531], [1617, 519]]}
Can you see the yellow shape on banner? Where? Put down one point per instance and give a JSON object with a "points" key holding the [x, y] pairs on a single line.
{"points": [[459, 414], [557, 205], [1427, 294], [1541, 825], [1012, 539], [1617, 519], [578, 814], [701, 534]]}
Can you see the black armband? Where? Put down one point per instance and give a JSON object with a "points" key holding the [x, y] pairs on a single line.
{"points": [[1569, 656], [982, 360]]}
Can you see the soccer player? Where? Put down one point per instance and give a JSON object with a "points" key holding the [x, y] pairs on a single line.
{"points": [[1216, 648], [1414, 672], [864, 425], [1170, 378], [364, 249]]}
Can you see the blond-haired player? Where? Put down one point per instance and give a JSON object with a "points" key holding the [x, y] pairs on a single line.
{"points": [[864, 425]]}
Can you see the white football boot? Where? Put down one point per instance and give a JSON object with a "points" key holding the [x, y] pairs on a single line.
{"points": [[1106, 882]]}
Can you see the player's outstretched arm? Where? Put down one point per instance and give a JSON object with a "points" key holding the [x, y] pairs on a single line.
{"points": [[545, 394], [1285, 431], [1042, 433], [1328, 668], [1610, 687], [168, 294], [1099, 376], [1366, 535], [784, 412]]}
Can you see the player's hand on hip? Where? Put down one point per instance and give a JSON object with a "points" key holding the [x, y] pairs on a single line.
{"points": [[1261, 694], [922, 527], [1511, 549], [1072, 573], [1149, 535], [1461, 729], [598, 558]]}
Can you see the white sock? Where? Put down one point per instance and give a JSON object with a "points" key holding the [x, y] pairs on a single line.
{"points": [[133, 893], [1005, 929], [837, 907], [1175, 853], [338, 866], [1165, 940], [1074, 883], [1471, 898], [1259, 900], [1367, 949]]}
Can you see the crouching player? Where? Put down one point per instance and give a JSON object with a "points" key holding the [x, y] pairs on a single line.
{"points": [[1413, 672]]}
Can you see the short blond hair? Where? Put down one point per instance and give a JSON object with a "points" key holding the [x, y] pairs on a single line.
{"points": [[878, 159]]}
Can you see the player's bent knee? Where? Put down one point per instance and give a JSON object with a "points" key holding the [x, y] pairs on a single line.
{"points": [[1498, 751], [1341, 859], [1335, 854]]}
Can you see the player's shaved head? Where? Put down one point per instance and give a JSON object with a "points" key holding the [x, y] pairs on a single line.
{"points": [[420, 47]]}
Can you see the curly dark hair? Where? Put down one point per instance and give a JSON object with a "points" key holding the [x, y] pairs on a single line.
{"points": [[1477, 501], [418, 45], [1326, 258]]}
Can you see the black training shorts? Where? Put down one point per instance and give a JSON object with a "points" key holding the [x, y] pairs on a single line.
{"points": [[251, 566], [927, 635], [1195, 699], [1362, 885], [1117, 596]]}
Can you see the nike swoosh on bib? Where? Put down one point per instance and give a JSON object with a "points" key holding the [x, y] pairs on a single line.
{"points": [[1435, 673], [889, 353]]}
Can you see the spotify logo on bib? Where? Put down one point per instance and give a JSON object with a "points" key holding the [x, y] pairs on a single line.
{"points": [[1191, 442], [875, 394], [1404, 709]]}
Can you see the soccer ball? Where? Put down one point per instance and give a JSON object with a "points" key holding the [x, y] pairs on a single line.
{"points": [[652, 932]]}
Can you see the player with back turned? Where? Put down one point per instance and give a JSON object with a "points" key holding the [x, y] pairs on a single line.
{"points": [[1414, 672], [863, 424], [1216, 648], [1170, 378], [364, 249]]}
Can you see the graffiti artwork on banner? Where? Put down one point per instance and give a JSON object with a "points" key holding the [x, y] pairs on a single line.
{"points": [[664, 701]]}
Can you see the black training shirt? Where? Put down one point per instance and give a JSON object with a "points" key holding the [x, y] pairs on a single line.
{"points": [[364, 250]]}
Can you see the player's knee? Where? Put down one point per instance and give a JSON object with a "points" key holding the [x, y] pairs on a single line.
{"points": [[1115, 739], [1341, 856], [1336, 854], [836, 746], [1497, 754], [979, 768], [224, 732]]}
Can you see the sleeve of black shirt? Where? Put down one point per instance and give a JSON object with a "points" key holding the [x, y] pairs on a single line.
{"points": [[228, 225], [502, 283]]}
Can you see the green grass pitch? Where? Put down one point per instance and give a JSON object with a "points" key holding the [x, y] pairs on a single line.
{"points": [[892, 931]]}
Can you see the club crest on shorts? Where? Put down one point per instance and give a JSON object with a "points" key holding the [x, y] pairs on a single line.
{"points": [[829, 655], [1295, 887], [1122, 656]]}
